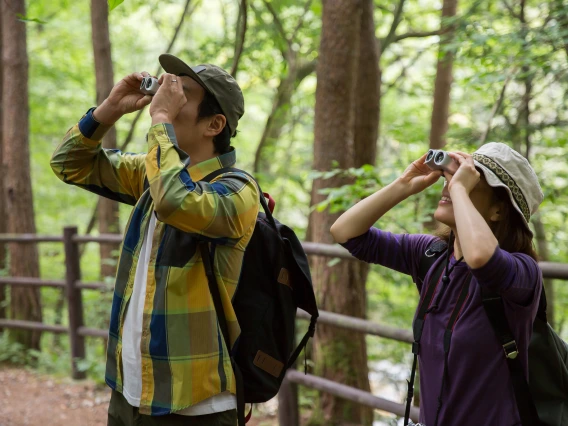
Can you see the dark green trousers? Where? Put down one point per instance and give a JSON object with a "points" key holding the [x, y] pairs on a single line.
{"points": [[121, 413]]}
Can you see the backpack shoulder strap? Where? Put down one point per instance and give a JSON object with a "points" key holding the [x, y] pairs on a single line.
{"points": [[493, 306], [429, 257], [266, 206]]}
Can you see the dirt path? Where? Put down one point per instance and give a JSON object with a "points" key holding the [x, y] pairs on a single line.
{"points": [[28, 399]]}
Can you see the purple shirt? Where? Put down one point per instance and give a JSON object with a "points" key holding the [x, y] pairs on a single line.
{"points": [[478, 390]]}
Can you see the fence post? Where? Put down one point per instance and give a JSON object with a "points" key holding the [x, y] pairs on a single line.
{"points": [[288, 411], [74, 299]]}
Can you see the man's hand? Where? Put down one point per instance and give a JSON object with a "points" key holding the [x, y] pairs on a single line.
{"points": [[168, 100], [125, 97]]}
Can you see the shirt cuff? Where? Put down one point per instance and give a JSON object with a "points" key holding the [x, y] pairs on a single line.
{"points": [[91, 128], [161, 132]]}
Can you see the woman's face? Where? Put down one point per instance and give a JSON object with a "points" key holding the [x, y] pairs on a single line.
{"points": [[481, 196]]}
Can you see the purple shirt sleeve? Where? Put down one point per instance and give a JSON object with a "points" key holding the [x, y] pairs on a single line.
{"points": [[516, 276], [401, 252]]}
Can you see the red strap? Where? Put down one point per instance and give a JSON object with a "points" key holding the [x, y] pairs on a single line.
{"points": [[271, 202], [249, 415]]}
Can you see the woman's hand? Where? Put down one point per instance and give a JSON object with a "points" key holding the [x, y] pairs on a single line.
{"points": [[466, 176], [168, 100], [418, 176]]}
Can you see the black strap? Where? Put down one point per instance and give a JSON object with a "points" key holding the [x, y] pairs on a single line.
{"points": [[310, 333], [432, 253], [493, 305], [216, 296], [428, 259]]}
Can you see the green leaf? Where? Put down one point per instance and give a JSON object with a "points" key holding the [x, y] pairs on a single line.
{"points": [[23, 18], [113, 4]]}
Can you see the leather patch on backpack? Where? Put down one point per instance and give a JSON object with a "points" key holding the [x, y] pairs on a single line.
{"points": [[284, 277], [271, 365]]}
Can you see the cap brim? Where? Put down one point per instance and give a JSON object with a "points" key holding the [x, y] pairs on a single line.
{"points": [[176, 66], [495, 182]]}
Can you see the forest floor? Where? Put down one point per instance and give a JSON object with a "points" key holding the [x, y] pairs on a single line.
{"points": [[30, 399]]}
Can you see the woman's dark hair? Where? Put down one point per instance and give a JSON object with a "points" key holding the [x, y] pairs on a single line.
{"points": [[207, 108], [511, 232]]}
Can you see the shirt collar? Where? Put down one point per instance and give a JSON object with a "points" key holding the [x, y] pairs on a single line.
{"points": [[198, 171]]}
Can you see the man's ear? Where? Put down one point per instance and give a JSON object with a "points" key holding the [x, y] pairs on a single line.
{"points": [[216, 125]]}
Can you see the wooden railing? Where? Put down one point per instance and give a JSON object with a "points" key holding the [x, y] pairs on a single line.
{"points": [[288, 413]]}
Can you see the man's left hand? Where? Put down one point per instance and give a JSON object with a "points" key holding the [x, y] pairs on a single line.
{"points": [[168, 100]]}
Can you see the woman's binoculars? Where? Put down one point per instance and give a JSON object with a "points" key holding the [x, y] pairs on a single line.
{"points": [[437, 159], [149, 85]]}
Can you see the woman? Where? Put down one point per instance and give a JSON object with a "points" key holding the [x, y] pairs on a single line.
{"points": [[486, 206]]}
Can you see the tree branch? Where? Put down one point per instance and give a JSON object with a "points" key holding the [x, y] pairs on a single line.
{"points": [[417, 34], [278, 23], [511, 10], [397, 18], [240, 40], [301, 20], [496, 107], [403, 71]]}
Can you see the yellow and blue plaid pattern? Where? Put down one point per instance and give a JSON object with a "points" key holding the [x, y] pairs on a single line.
{"points": [[184, 357]]}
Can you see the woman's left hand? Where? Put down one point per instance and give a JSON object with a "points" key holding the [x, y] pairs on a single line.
{"points": [[467, 175]]}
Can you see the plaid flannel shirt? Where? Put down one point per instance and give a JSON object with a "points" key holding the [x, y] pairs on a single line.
{"points": [[184, 357]]}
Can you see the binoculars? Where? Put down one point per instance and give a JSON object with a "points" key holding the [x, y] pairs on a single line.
{"points": [[149, 85], [438, 159]]}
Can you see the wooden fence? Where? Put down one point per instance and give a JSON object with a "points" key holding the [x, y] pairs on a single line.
{"points": [[288, 413]]}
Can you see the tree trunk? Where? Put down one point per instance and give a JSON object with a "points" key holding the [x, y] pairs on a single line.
{"points": [[443, 84], [543, 255], [108, 210], [17, 191], [2, 207], [340, 355]]}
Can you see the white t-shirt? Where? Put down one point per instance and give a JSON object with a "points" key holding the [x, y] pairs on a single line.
{"points": [[131, 336]]}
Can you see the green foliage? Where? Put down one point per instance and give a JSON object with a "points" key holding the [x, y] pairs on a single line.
{"points": [[491, 46], [112, 4]]}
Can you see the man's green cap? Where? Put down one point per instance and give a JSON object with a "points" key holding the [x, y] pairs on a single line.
{"points": [[216, 81]]}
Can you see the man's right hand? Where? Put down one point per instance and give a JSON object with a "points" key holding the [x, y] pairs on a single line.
{"points": [[125, 97]]}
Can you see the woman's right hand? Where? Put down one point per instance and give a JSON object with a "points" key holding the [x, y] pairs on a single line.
{"points": [[418, 176]]}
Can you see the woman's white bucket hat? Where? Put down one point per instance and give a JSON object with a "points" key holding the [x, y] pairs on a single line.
{"points": [[504, 167]]}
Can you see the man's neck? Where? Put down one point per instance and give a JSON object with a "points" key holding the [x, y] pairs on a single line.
{"points": [[200, 152]]}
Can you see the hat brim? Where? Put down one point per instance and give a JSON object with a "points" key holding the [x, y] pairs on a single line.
{"points": [[173, 65], [493, 181]]}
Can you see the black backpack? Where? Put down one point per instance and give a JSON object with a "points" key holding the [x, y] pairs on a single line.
{"points": [[275, 280], [544, 399]]}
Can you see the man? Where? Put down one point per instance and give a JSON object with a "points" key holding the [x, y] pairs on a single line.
{"points": [[167, 362]]}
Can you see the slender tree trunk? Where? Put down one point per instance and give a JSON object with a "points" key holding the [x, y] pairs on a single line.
{"points": [[17, 191], [108, 210], [339, 355], [443, 83], [542, 245], [2, 202], [280, 112]]}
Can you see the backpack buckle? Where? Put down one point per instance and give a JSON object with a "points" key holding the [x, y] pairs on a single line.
{"points": [[511, 350]]}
